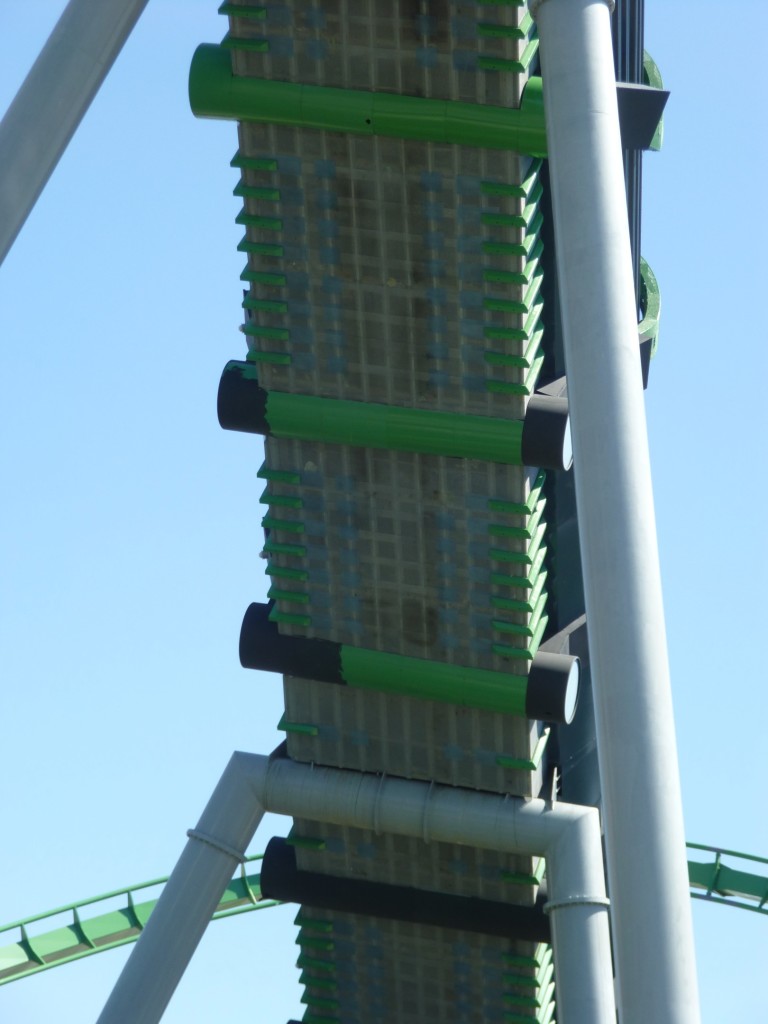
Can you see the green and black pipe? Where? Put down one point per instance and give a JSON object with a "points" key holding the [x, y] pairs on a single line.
{"points": [[541, 439], [549, 692]]}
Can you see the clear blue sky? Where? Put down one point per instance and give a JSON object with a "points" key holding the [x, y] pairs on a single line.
{"points": [[130, 520]]}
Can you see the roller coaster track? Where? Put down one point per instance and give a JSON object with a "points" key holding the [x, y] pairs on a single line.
{"points": [[32, 953], [117, 926], [724, 884]]}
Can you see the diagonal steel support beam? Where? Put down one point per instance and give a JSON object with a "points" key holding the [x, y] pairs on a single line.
{"points": [[51, 102]]}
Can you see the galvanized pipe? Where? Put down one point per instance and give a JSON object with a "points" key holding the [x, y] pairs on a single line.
{"points": [[568, 836], [186, 905], [642, 807], [52, 100]]}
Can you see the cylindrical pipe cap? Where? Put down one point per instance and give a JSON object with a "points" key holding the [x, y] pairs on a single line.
{"points": [[263, 647], [553, 688], [242, 402], [547, 433]]}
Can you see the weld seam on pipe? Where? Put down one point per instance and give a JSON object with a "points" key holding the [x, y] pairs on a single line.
{"points": [[576, 901], [217, 844]]}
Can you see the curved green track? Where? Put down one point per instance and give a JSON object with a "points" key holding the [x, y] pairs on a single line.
{"points": [[725, 884], [34, 950], [31, 953]]}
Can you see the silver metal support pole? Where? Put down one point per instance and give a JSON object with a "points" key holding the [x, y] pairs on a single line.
{"points": [[189, 898], [51, 102], [568, 836], [642, 809]]}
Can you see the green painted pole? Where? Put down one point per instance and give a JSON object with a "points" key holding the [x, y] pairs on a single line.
{"points": [[337, 421], [215, 92], [429, 680]]}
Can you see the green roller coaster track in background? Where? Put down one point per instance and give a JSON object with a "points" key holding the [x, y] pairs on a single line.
{"points": [[30, 954]]}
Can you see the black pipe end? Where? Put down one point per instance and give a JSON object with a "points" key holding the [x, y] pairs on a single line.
{"points": [[546, 438], [258, 639], [553, 688], [277, 871], [242, 402], [263, 647]]}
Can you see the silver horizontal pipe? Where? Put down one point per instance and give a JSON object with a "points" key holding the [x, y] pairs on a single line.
{"points": [[568, 836]]}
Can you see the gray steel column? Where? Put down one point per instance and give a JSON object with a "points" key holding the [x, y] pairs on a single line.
{"points": [[51, 102], [192, 893], [642, 810]]}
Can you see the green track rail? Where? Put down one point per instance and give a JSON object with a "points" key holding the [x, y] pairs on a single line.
{"points": [[83, 936], [730, 885], [34, 950]]}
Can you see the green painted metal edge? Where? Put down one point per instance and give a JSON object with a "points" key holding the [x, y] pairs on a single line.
{"points": [[526, 878], [536, 960], [300, 728], [527, 653], [277, 593], [526, 333], [528, 247], [369, 424], [253, 220], [526, 604], [215, 92], [650, 304], [520, 532], [488, 29], [260, 277], [528, 580], [330, 984], [526, 764], [285, 500], [267, 305], [527, 557], [284, 573], [527, 386], [652, 77], [271, 547], [519, 189], [276, 358], [278, 476], [515, 65], [315, 964], [286, 525], [253, 163], [260, 249], [267, 193], [289, 619], [257, 330], [521, 508], [529, 629], [252, 45], [306, 842], [304, 919], [243, 10], [541, 979], [531, 353]]}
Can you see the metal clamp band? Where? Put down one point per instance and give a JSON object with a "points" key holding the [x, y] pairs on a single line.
{"points": [[217, 844], [575, 901]]}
